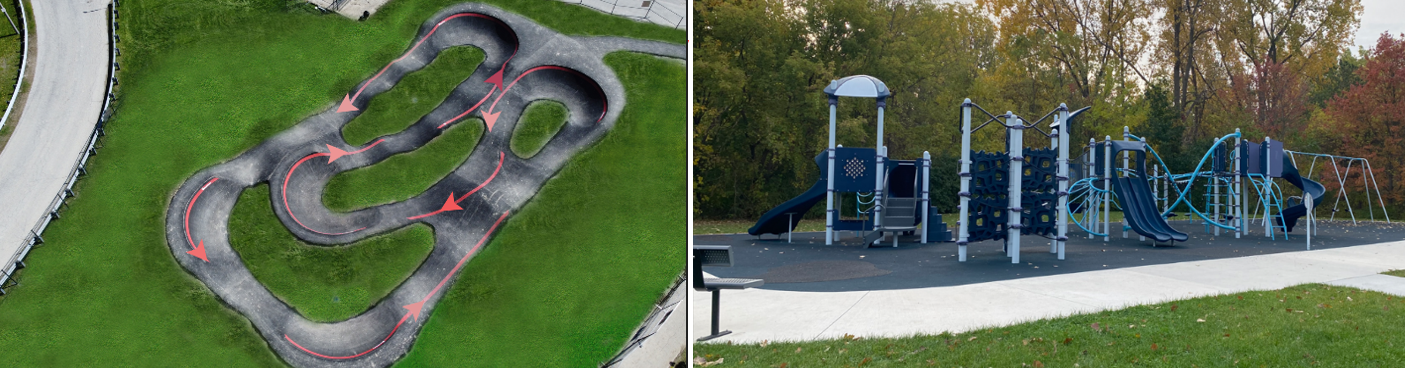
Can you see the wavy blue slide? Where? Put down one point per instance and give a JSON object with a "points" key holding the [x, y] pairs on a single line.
{"points": [[1309, 186], [783, 218]]}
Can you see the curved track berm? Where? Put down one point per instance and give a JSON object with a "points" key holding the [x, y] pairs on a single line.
{"points": [[523, 62]]}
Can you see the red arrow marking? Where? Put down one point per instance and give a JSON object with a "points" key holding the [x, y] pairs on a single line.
{"points": [[465, 112], [453, 204], [199, 251], [415, 307], [333, 155], [387, 338], [492, 117], [412, 309], [346, 102], [496, 79]]}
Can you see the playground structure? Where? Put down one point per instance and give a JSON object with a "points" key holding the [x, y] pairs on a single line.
{"points": [[1005, 195], [898, 190], [1235, 170], [990, 178]]}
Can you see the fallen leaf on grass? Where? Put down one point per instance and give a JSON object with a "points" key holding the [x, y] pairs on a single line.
{"points": [[1200, 320], [1173, 307], [703, 362], [1025, 341], [765, 342], [1068, 340], [1038, 364], [1097, 327], [797, 350], [973, 338], [1153, 346]]}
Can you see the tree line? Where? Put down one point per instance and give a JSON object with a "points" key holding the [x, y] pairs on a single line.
{"points": [[1179, 72]]}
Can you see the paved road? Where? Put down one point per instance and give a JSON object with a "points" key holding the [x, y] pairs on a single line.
{"points": [[70, 79], [757, 314]]}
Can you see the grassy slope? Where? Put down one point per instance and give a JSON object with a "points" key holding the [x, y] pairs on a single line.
{"points": [[575, 255], [540, 122], [1307, 325], [323, 283], [416, 95], [203, 81]]}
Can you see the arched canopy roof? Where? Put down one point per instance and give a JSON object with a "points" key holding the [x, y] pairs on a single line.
{"points": [[857, 86]]}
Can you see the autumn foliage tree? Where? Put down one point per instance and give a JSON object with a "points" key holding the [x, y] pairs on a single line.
{"points": [[1370, 116]]}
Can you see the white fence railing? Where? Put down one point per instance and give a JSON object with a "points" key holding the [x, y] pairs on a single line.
{"points": [[668, 13], [35, 237]]}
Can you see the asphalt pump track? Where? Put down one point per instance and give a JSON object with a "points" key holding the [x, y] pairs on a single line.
{"points": [[523, 62]]}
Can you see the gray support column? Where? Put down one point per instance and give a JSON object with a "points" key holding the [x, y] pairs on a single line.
{"points": [[1063, 178], [1107, 185], [1238, 200], [1093, 219], [1156, 186], [879, 164], [1311, 218], [962, 233], [1016, 150], [1126, 157], [1268, 189], [1054, 144], [926, 199], [829, 193]]}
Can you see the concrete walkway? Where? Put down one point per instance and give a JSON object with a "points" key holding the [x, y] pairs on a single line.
{"points": [[667, 13], [65, 99], [755, 315]]}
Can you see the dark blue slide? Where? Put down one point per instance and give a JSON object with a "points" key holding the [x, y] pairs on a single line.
{"points": [[1309, 186], [1140, 210], [783, 218]]}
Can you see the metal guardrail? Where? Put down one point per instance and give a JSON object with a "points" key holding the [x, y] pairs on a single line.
{"points": [[24, 61], [16, 261], [648, 10], [663, 309]]}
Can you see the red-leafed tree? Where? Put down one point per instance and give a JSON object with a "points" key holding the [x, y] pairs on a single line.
{"points": [[1371, 115]]}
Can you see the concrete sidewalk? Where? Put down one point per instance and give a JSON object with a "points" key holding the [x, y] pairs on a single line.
{"points": [[755, 315]]}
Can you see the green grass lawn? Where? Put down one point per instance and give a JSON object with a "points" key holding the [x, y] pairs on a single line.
{"points": [[323, 283], [562, 284], [9, 55], [1300, 326], [1396, 273]]}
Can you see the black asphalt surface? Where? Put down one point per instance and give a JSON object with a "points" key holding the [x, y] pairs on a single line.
{"points": [[540, 64], [809, 265]]}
